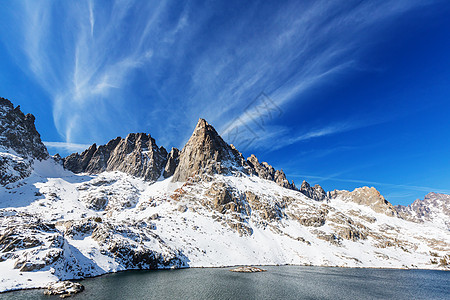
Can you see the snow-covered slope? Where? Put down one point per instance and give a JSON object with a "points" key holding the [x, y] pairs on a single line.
{"points": [[208, 207], [57, 225]]}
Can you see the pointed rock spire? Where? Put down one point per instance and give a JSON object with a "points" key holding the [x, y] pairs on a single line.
{"points": [[206, 152], [266, 171], [18, 132], [316, 192]]}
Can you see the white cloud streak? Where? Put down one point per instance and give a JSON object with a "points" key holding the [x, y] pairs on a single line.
{"points": [[89, 57], [375, 183], [67, 147], [87, 71]]}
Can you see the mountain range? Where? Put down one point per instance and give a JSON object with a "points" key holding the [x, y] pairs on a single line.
{"points": [[131, 204]]}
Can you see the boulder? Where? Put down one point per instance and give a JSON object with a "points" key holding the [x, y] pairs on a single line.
{"points": [[64, 289]]}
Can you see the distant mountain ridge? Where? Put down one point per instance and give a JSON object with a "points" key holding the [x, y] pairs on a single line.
{"points": [[130, 204], [434, 207]]}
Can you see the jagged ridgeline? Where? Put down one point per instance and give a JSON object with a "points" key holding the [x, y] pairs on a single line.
{"points": [[134, 205], [206, 153]]}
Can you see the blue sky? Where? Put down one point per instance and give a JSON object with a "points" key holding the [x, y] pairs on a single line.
{"points": [[358, 90]]}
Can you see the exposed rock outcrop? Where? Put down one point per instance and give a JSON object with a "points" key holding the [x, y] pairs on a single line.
{"points": [[434, 207], [20, 143], [207, 153], [13, 168], [172, 162], [366, 196], [266, 171], [316, 192], [137, 155], [82, 226], [18, 132]]}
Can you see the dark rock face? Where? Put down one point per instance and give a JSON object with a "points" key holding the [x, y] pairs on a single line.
{"points": [[172, 162], [18, 133], [131, 253], [262, 170], [20, 143], [316, 192], [207, 153], [266, 171], [137, 155]]}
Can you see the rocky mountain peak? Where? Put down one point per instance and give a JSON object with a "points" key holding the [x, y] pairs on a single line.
{"points": [[18, 132], [316, 192], [206, 153], [20, 143], [137, 154], [434, 207], [368, 196]]}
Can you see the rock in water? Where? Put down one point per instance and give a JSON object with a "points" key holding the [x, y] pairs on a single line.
{"points": [[64, 288], [247, 269]]}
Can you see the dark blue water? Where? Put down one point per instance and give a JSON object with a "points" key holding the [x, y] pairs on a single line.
{"points": [[279, 282]]}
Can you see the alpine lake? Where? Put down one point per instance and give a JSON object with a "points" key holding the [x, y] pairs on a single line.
{"points": [[279, 282]]}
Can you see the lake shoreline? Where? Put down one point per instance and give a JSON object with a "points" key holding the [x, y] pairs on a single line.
{"points": [[79, 280]]}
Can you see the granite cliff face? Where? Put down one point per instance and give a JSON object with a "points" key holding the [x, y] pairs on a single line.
{"points": [[20, 143], [265, 171], [137, 155], [207, 153], [18, 132], [173, 160], [315, 192]]}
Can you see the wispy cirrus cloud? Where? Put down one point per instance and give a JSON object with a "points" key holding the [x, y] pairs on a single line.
{"points": [[426, 189], [185, 61], [285, 136], [326, 49]]}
